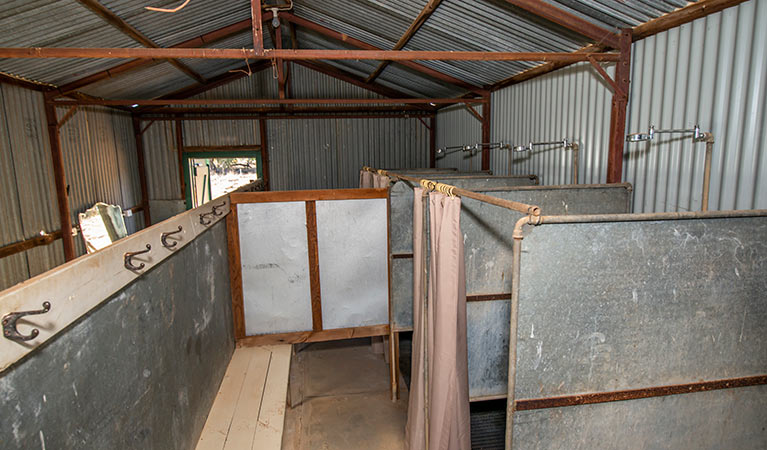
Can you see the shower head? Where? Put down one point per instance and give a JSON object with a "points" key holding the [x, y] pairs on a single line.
{"points": [[522, 148], [638, 137]]}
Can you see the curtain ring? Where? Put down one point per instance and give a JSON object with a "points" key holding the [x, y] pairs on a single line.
{"points": [[428, 184]]}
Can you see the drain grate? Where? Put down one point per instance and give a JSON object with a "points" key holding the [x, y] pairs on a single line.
{"points": [[488, 425]]}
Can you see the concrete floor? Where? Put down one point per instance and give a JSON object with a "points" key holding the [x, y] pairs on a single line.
{"points": [[340, 396]]}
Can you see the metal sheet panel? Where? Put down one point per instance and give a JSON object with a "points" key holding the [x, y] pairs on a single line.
{"points": [[26, 145], [457, 126], [153, 81], [487, 231], [13, 269], [56, 23], [275, 267], [677, 301], [352, 239], [100, 162], [150, 359], [161, 160], [401, 194], [733, 418], [221, 132], [328, 153], [487, 237], [677, 82], [711, 72], [572, 103]]}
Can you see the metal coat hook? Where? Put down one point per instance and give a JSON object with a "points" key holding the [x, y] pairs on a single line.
{"points": [[164, 238], [203, 217], [215, 209], [128, 259], [10, 319]]}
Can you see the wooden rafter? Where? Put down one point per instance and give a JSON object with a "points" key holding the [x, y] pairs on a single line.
{"points": [[258, 29], [425, 13], [127, 29], [293, 109]]}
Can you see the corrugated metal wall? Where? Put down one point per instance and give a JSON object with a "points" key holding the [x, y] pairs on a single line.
{"points": [[457, 126], [572, 103], [28, 198], [711, 72], [100, 165], [328, 153], [304, 154]]}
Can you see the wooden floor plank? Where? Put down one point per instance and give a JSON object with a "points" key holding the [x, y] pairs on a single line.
{"points": [[243, 428], [219, 420], [271, 418]]}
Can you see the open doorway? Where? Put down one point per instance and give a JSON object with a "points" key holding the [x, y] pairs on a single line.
{"points": [[211, 175]]}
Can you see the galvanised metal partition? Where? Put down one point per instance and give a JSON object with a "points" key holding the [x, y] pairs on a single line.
{"points": [[140, 370], [618, 313], [488, 241]]}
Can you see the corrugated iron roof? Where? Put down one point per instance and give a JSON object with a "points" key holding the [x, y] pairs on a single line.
{"points": [[478, 25]]}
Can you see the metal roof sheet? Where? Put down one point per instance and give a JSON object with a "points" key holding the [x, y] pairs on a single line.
{"points": [[151, 82], [168, 29], [59, 23], [478, 25]]}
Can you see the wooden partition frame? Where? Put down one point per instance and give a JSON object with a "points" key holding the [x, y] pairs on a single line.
{"points": [[318, 333]]}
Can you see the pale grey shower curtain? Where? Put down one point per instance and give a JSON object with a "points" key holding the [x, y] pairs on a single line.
{"points": [[447, 381]]}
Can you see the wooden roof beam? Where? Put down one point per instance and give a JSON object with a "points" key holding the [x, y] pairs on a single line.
{"points": [[274, 101], [425, 13], [406, 58]]}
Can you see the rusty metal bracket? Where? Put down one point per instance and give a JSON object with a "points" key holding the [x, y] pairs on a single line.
{"points": [[10, 319], [129, 262], [164, 238]]}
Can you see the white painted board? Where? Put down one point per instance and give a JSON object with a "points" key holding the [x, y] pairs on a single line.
{"points": [[275, 267], [352, 240]]}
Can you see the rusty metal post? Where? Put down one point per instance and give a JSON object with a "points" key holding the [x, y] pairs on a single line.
{"points": [[618, 114], [486, 132], [141, 170], [264, 153], [59, 177]]}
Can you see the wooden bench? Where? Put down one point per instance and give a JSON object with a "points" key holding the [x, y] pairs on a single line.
{"points": [[249, 410]]}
